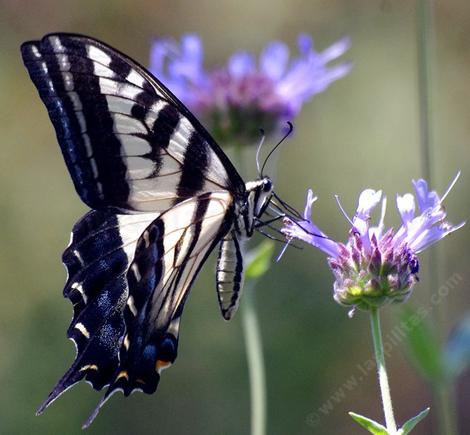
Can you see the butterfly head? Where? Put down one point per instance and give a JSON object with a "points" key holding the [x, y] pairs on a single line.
{"points": [[264, 196], [258, 196]]}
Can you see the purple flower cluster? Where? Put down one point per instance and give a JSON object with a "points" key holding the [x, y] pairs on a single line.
{"points": [[239, 98], [376, 266]]}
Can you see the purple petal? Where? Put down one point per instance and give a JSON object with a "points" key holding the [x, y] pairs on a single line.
{"points": [[308, 204], [273, 60], [191, 46], [240, 64], [159, 51], [368, 200], [188, 63], [430, 226], [406, 207], [309, 74], [425, 198], [378, 230], [310, 233], [305, 43], [336, 50], [333, 74], [432, 235], [179, 66]]}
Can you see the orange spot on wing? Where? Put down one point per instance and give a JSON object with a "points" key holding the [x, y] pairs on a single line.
{"points": [[162, 365], [89, 367], [122, 374]]}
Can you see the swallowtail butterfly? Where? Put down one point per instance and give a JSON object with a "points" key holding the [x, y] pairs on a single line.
{"points": [[163, 195]]}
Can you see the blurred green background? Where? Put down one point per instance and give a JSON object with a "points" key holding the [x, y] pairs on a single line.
{"points": [[362, 132]]}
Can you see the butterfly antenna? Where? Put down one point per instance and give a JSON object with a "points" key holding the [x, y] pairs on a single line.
{"points": [[276, 230], [261, 142], [260, 223], [270, 236], [289, 131]]}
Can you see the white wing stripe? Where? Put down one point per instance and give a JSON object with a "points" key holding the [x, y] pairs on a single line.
{"points": [[135, 78], [118, 104], [98, 55], [180, 138], [187, 238], [133, 146], [153, 112], [124, 124]]}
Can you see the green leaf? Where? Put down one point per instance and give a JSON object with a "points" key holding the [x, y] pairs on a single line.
{"points": [[412, 422], [259, 260], [422, 344], [371, 425]]}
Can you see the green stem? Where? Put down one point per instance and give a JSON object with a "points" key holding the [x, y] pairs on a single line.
{"points": [[426, 42], [446, 409], [255, 359], [382, 372], [253, 342]]}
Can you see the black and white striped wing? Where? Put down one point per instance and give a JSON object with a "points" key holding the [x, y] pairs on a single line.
{"points": [[168, 257], [102, 247], [127, 141], [162, 195]]}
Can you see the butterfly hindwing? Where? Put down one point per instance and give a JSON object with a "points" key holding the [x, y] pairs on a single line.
{"points": [[168, 257], [101, 249], [127, 141]]}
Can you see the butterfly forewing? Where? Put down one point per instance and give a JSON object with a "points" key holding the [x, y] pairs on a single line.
{"points": [[127, 141]]}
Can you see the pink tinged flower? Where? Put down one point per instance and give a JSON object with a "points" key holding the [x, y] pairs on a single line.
{"points": [[246, 94], [374, 267]]}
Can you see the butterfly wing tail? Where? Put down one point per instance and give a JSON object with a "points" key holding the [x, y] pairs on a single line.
{"points": [[96, 286], [95, 363], [71, 377], [140, 369], [96, 411]]}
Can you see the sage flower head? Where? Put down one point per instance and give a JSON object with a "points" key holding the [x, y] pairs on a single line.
{"points": [[235, 100], [376, 265]]}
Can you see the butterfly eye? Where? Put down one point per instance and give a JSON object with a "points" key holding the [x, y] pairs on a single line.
{"points": [[268, 185]]}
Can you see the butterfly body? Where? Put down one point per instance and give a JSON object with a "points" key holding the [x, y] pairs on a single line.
{"points": [[163, 195]]}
